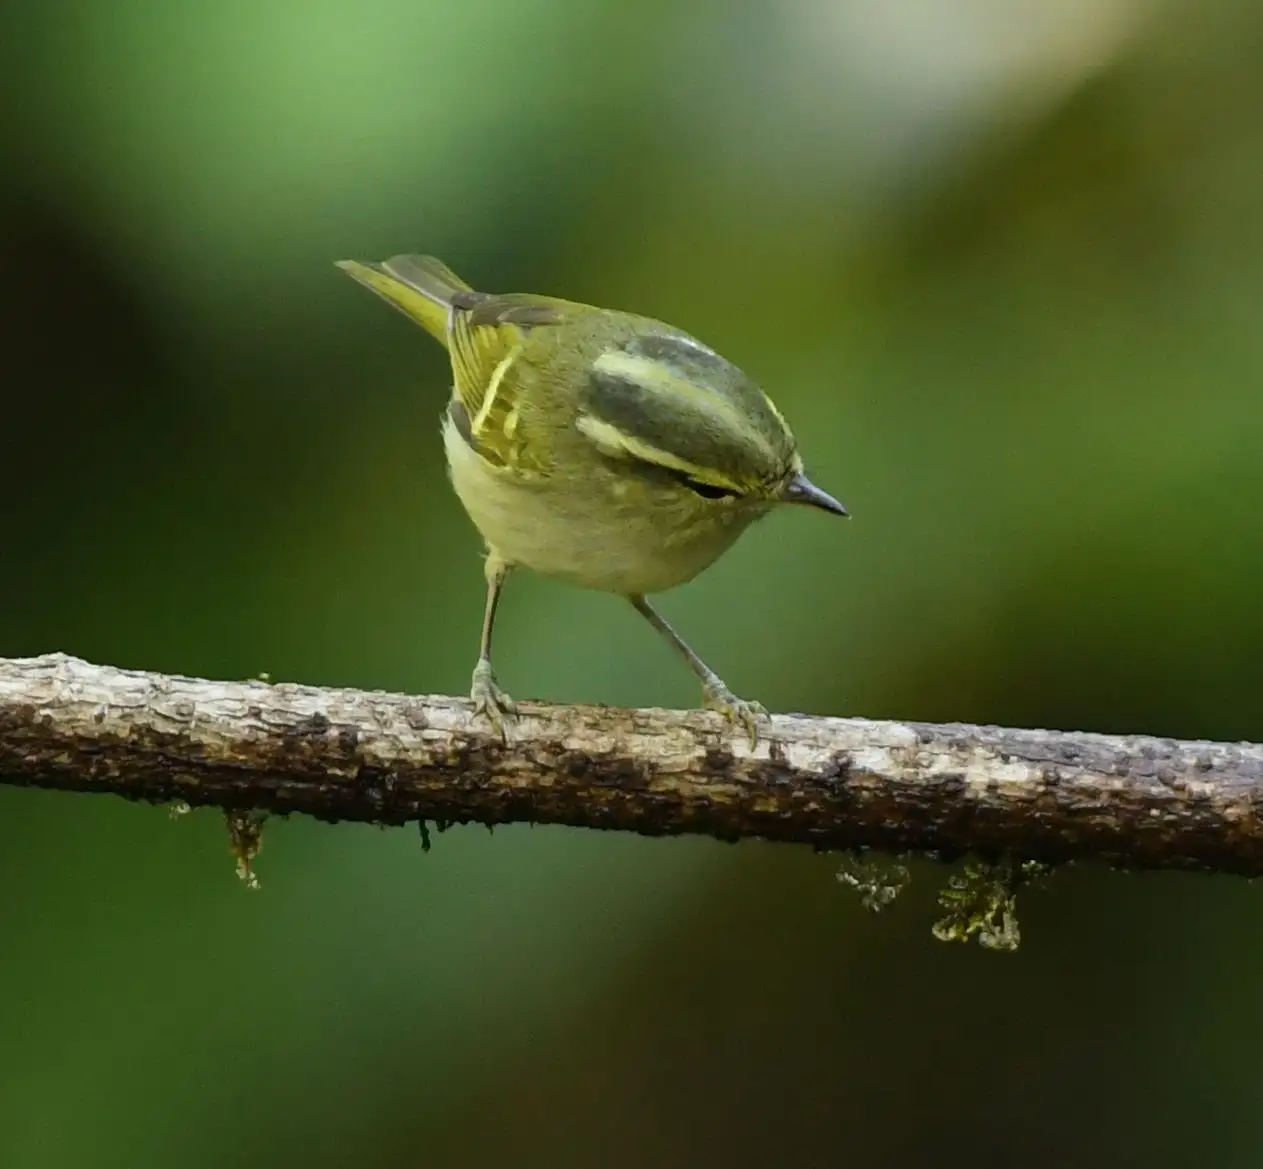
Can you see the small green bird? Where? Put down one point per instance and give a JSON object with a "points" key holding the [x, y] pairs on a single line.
{"points": [[596, 446]]}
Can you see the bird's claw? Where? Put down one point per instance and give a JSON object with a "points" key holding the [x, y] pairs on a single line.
{"points": [[490, 700], [739, 711]]}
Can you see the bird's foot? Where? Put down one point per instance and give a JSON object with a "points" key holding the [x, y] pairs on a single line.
{"points": [[739, 711], [490, 700]]}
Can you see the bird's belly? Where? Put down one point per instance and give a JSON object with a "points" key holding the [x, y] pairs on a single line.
{"points": [[584, 533]]}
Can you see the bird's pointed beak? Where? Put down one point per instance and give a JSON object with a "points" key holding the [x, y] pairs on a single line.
{"points": [[800, 489]]}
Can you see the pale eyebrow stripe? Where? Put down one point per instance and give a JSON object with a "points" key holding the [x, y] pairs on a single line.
{"points": [[607, 437]]}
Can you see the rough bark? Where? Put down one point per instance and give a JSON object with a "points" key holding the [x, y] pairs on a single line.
{"points": [[831, 782]]}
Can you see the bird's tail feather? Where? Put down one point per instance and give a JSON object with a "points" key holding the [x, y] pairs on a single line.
{"points": [[420, 287]]}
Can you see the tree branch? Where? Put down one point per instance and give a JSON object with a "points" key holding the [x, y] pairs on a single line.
{"points": [[831, 782]]}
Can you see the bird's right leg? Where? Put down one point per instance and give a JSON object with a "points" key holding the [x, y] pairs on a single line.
{"points": [[487, 697]]}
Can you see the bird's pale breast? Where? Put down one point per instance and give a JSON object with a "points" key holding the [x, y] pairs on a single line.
{"points": [[590, 533]]}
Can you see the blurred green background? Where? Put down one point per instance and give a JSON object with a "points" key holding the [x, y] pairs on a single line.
{"points": [[1001, 265]]}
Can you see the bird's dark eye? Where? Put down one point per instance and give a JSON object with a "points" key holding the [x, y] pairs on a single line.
{"points": [[710, 491], [707, 490]]}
